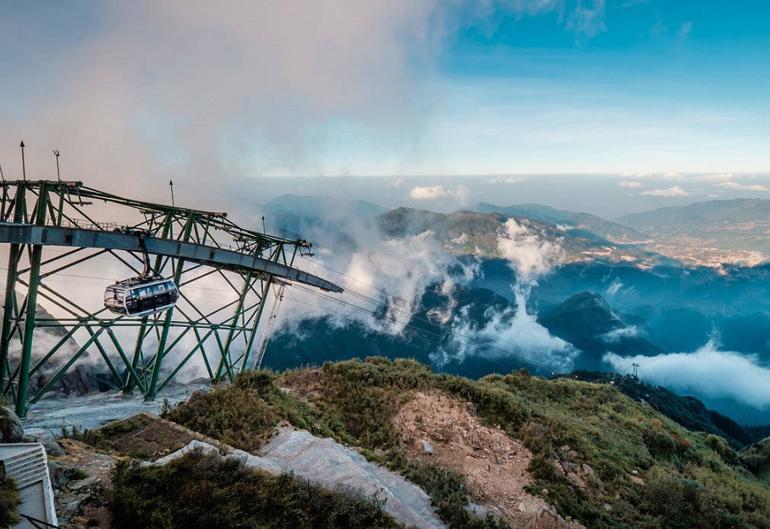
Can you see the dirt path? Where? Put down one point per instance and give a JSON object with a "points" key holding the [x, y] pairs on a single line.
{"points": [[442, 430]]}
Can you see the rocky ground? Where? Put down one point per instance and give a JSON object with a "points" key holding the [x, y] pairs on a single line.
{"points": [[442, 429], [81, 482], [81, 472]]}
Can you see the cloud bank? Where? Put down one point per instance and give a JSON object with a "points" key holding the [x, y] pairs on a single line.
{"points": [[706, 372]]}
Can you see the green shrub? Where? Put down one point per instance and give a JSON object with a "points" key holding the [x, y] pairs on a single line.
{"points": [[235, 415], [201, 491], [659, 442], [756, 457], [9, 500]]}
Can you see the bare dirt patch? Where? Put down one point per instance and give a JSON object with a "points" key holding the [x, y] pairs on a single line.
{"points": [[144, 436], [442, 430]]}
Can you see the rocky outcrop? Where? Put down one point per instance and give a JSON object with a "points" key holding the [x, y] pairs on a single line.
{"points": [[81, 479]]}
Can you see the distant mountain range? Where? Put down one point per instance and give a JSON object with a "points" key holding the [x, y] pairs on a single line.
{"points": [[477, 233], [717, 231], [611, 231], [713, 233]]}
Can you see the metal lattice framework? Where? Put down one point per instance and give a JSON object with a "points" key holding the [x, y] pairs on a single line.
{"points": [[51, 232]]}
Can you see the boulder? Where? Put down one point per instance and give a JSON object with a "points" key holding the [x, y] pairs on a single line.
{"points": [[11, 430]]}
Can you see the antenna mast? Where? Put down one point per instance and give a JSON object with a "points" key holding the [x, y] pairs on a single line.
{"points": [[56, 153], [171, 185], [23, 165]]}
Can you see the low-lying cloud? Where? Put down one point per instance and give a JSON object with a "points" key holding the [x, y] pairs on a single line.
{"points": [[737, 186], [515, 333], [668, 192], [707, 372], [510, 333], [631, 185], [615, 335], [458, 193]]}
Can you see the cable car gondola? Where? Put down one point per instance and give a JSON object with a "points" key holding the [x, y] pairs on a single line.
{"points": [[142, 295]]}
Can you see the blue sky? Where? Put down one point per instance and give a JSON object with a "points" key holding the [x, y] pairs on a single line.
{"points": [[648, 86], [221, 91]]}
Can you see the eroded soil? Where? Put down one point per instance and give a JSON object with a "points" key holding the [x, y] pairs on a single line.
{"points": [[442, 430]]}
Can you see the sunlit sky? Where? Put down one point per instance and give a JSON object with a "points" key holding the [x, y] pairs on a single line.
{"points": [[213, 92]]}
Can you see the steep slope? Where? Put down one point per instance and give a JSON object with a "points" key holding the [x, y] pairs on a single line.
{"points": [[687, 411], [593, 455], [757, 459]]}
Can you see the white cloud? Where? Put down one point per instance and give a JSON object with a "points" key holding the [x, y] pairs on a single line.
{"points": [[527, 254], [614, 287], [706, 372], [459, 193], [514, 332], [736, 186], [631, 185], [668, 192], [615, 335], [392, 273], [506, 180], [427, 193], [587, 22], [509, 333], [684, 31]]}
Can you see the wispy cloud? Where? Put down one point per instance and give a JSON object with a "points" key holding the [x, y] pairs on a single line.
{"points": [[667, 192], [506, 180], [631, 185], [684, 31], [615, 335], [585, 18], [587, 22], [737, 186]]}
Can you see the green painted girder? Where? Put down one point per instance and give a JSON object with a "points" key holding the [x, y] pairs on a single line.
{"points": [[208, 255]]}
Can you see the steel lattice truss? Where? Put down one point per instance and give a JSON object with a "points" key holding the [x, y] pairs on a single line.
{"points": [[51, 233]]}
